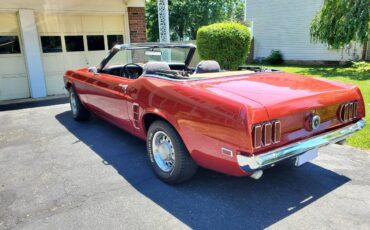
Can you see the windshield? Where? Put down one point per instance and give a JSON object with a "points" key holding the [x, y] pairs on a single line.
{"points": [[174, 55]]}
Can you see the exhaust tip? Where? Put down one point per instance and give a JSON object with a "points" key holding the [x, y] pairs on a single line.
{"points": [[257, 174]]}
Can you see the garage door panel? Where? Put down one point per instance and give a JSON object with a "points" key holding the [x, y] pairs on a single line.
{"points": [[71, 24], [75, 61], [14, 86], [88, 26], [51, 62], [12, 64], [48, 23], [113, 23], [8, 23], [13, 74], [92, 24], [54, 73], [95, 58], [54, 82]]}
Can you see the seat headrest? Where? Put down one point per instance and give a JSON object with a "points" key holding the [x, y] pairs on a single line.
{"points": [[152, 67], [208, 66]]}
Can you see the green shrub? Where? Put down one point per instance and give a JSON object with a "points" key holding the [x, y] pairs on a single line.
{"points": [[361, 66], [228, 43], [275, 58]]}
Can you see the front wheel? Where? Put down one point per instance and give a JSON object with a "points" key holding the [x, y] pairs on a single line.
{"points": [[79, 112], [168, 155]]}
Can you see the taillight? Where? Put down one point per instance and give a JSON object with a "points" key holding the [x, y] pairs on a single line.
{"points": [[276, 132], [266, 133], [348, 111]]}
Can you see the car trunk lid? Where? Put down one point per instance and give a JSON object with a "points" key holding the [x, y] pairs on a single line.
{"points": [[290, 98], [279, 91]]}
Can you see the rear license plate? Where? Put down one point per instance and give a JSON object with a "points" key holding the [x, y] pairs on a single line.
{"points": [[306, 157]]}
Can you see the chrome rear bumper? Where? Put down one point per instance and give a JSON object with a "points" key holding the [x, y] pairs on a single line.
{"points": [[268, 159]]}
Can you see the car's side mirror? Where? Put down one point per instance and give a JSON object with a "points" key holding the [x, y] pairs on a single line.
{"points": [[93, 69]]}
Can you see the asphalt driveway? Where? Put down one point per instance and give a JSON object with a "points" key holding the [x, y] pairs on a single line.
{"points": [[56, 173]]}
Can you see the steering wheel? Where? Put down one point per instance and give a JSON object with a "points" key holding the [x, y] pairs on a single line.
{"points": [[126, 72]]}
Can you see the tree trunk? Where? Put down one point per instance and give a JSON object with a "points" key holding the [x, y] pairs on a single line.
{"points": [[364, 50]]}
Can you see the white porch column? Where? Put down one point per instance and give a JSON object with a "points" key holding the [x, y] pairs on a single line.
{"points": [[32, 53], [245, 10], [163, 21], [164, 27]]}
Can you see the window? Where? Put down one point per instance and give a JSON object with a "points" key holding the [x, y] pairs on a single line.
{"points": [[9, 45], [114, 40], [51, 44], [74, 43], [95, 42]]}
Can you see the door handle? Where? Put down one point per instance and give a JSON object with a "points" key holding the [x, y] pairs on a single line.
{"points": [[123, 87]]}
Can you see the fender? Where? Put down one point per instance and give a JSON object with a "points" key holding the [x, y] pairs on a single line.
{"points": [[162, 115]]}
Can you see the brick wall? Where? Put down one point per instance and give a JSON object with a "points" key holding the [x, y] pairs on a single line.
{"points": [[136, 19]]}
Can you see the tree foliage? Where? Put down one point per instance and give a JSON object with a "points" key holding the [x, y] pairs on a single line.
{"points": [[228, 43], [340, 22], [187, 16]]}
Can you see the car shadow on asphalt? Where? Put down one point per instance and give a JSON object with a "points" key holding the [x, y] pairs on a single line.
{"points": [[34, 104], [210, 199]]}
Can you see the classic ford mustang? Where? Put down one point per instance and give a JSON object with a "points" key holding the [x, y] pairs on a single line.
{"points": [[235, 122]]}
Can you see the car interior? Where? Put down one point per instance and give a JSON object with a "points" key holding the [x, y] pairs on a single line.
{"points": [[133, 70], [162, 69]]}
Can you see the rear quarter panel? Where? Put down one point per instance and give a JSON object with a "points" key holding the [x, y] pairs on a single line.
{"points": [[205, 122]]}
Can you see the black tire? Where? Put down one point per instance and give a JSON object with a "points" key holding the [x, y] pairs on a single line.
{"points": [[184, 167], [80, 113]]}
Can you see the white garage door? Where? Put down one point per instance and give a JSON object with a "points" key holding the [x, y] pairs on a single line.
{"points": [[13, 73], [75, 41]]}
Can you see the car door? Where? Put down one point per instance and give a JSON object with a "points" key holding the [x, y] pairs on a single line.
{"points": [[109, 99]]}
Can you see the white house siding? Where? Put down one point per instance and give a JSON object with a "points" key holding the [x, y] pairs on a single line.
{"points": [[284, 25]]}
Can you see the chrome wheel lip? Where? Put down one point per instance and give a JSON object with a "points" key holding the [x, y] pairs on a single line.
{"points": [[73, 103], [163, 151]]}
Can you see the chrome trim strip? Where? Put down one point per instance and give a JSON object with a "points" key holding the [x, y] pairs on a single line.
{"points": [[135, 115], [264, 160]]}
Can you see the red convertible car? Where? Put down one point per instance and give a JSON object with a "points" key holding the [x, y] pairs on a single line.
{"points": [[235, 122]]}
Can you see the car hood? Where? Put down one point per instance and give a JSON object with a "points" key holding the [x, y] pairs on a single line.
{"points": [[279, 92]]}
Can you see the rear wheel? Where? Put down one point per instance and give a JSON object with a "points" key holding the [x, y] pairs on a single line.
{"points": [[168, 155], [79, 112]]}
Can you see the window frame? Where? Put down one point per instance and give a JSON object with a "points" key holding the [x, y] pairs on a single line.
{"points": [[74, 35], [110, 34], [19, 43], [95, 35], [63, 48]]}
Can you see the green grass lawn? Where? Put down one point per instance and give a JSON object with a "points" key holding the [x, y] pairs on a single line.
{"points": [[347, 75]]}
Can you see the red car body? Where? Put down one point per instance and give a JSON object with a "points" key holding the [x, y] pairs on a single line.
{"points": [[215, 117]]}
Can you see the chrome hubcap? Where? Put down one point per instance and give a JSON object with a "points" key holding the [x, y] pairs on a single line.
{"points": [[163, 151], [73, 103]]}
